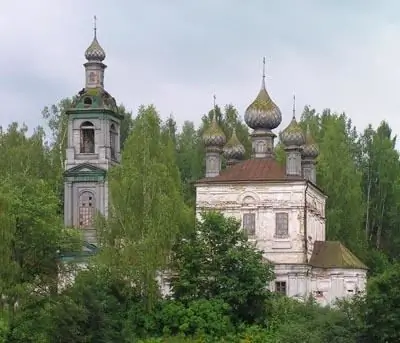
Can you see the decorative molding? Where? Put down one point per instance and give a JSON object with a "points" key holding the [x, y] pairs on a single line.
{"points": [[85, 172]]}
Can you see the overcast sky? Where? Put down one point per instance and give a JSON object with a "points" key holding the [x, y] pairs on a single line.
{"points": [[343, 55]]}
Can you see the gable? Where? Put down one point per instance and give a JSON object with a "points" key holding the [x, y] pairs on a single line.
{"points": [[85, 172]]}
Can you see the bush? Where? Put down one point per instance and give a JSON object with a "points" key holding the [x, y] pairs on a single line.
{"points": [[200, 317]]}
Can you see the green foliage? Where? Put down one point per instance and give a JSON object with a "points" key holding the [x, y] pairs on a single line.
{"points": [[31, 227], [381, 306], [146, 208], [199, 317], [217, 262], [219, 285]]}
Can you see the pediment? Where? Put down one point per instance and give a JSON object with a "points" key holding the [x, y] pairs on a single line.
{"points": [[85, 169]]}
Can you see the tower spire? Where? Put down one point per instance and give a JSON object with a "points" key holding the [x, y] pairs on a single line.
{"points": [[95, 26], [214, 112], [94, 66], [294, 105], [263, 74]]}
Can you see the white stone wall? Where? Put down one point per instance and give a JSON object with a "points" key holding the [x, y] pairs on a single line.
{"points": [[329, 285], [265, 200], [67, 278], [326, 286]]}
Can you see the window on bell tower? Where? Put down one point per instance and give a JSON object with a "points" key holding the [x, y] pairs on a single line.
{"points": [[113, 141], [87, 209], [87, 138]]}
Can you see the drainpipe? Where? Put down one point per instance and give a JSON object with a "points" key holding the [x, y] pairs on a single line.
{"points": [[305, 222]]}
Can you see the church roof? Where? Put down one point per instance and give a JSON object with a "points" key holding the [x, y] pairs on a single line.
{"points": [[333, 254], [251, 170], [87, 251]]}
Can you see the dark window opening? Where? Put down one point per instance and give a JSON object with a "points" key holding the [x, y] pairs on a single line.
{"points": [[281, 225], [280, 287], [113, 141], [87, 138], [87, 101], [249, 223]]}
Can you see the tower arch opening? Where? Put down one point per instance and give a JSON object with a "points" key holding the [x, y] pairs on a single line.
{"points": [[113, 141], [87, 138]]}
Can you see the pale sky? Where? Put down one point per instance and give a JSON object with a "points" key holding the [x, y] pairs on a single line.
{"points": [[343, 55]]}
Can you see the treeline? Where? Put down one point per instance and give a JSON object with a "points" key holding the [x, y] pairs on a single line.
{"points": [[218, 284]]}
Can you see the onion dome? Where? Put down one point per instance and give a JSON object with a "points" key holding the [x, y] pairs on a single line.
{"points": [[95, 52], [263, 113], [293, 135], [213, 135], [310, 148], [233, 149]]}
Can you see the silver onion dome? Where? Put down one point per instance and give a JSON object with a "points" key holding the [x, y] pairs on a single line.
{"points": [[234, 149], [310, 148]]}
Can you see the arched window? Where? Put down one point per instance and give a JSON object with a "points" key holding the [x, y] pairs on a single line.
{"points": [[87, 101], [87, 209], [113, 141], [87, 138]]}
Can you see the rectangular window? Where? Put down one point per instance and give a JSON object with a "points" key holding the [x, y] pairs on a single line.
{"points": [[249, 223], [281, 225], [280, 287]]}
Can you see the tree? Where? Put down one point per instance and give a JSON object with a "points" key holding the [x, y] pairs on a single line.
{"points": [[189, 160], [32, 234], [146, 208], [381, 307], [381, 169], [217, 262], [341, 182]]}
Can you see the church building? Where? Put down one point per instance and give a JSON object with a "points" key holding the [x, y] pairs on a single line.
{"points": [[281, 208]]}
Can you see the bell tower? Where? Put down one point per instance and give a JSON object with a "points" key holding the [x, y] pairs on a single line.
{"points": [[93, 146]]}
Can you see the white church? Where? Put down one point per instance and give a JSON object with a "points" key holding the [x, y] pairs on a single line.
{"points": [[281, 208]]}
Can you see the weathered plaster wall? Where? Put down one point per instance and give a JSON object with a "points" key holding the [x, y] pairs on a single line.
{"points": [[265, 200]]}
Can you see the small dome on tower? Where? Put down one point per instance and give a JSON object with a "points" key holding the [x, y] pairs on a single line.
{"points": [[310, 148], [233, 149], [293, 134], [95, 52], [213, 135], [263, 113]]}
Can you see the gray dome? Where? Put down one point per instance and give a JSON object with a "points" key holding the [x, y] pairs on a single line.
{"points": [[234, 150], [95, 52], [293, 135], [263, 113], [310, 148], [213, 135]]}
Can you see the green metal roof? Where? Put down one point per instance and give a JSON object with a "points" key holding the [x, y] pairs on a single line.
{"points": [[333, 254], [87, 251]]}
